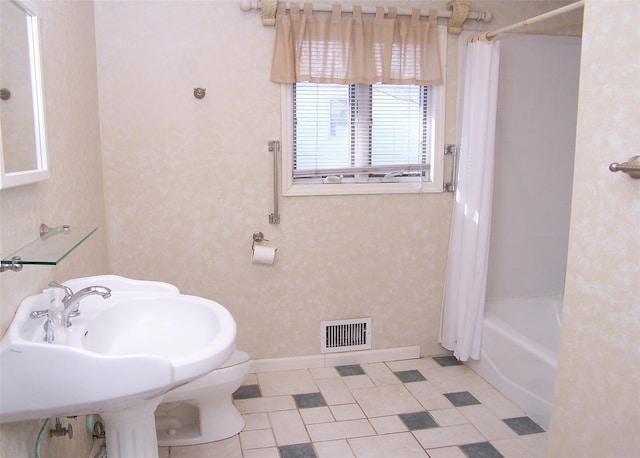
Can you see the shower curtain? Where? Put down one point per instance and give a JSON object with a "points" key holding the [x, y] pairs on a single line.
{"points": [[466, 277]]}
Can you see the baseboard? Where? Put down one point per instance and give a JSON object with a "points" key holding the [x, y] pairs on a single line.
{"points": [[334, 359]]}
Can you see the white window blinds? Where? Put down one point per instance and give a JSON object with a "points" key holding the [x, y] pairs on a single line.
{"points": [[362, 133]]}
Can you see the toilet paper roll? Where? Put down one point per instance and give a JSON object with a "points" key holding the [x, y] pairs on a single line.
{"points": [[263, 254]]}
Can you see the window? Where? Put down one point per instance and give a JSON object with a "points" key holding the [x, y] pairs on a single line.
{"points": [[361, 139], [361, 133]]}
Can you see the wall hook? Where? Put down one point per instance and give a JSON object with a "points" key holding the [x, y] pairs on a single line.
{"points": [[199, 92]]}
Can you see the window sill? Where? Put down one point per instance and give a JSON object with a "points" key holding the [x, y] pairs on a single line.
{"points": [[356, 189]]}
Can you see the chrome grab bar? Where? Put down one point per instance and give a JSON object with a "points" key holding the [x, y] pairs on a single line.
{"points": [[274, 147]]}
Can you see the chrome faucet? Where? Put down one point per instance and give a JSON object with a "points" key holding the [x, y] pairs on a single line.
{"points": [[72, 303], [68, 292]]}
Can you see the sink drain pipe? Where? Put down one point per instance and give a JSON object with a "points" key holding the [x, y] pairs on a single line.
{"points": [[39, 438]]}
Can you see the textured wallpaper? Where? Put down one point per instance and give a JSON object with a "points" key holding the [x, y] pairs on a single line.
{"points": [[596, 410], [188, 181], [73, 195]]}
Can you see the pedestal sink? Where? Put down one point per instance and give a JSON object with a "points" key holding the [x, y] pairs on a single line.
{"points": [[123, 353]]}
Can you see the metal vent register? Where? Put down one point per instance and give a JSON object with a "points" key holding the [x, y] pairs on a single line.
{"points": [[345, 335]]}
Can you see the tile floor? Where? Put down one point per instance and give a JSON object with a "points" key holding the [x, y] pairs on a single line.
{"points": [[428, 407]]}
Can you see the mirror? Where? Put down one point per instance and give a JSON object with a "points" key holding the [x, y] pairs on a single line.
{"points": [[23, 147]]}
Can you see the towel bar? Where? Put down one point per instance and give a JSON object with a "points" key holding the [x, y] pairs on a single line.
{"points": [[631, 167]]}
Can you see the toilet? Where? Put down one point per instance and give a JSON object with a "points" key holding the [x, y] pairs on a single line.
{"points": [[202, 410]]}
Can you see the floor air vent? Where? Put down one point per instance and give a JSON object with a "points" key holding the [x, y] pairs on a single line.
{"points": [[345, 335]]}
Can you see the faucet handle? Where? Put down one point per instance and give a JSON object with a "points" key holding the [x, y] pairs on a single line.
{"points": [[68, 292]]}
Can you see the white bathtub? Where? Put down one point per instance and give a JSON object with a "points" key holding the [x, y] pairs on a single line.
{"points": [[519, 351]]}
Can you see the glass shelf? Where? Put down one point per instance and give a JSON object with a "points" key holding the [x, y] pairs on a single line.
{"points": [[53, 245]]}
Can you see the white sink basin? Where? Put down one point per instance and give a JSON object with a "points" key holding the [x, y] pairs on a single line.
{"points": [[185, 330], [134, 346]]}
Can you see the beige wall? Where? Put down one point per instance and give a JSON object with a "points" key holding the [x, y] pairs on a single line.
{"points": [[596, 410], [188, 181], [73, 195]]}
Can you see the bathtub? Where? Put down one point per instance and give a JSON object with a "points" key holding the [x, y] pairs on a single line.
{"points": [[519, 351]]}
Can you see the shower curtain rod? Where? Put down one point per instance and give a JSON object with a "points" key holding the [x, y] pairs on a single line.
{"points": [[492, 34]]}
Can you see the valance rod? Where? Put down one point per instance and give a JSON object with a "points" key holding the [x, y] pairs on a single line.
{"points": [[459, 13], [564, 9]]}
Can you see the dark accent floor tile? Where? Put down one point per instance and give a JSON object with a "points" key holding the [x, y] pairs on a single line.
{"points": [[461, 398], [418, 420], [247, 392], [307, 400], [447, 360], [523, 425], [297, 451], [480, 450], [351, 369], [410, 376]]}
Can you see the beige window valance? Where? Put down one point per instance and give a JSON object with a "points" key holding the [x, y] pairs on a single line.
{"points": [[352, 49]]}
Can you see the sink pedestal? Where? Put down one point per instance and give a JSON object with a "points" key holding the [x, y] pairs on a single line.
{"points": [[131, 432]]}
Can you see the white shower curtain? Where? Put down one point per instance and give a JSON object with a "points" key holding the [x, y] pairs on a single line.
{"points": [[466, 278]]}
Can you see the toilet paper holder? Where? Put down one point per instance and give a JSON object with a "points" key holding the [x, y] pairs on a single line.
{"points": [[258, 237]]}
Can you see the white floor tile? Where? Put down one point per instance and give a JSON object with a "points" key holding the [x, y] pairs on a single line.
{"points": [[258, 405], [529, 446], [389, 445], [333, 449], [387, 425], [487, 423], [288, 427], [499, 404], [386, 400], [448, 417], [270, 452], [361, 417], [334, 391], [446, 452], [454, 378], [340, 430], [380, 374], [256, 421], [412, 364], [258, 438], [358, 381], [347, 412], [324, 372], [428, 395], [286, 383], [316, 415], [448, 435], [252, 379]]}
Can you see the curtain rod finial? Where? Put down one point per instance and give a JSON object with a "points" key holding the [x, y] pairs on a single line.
{"points": [[247, 5]]}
